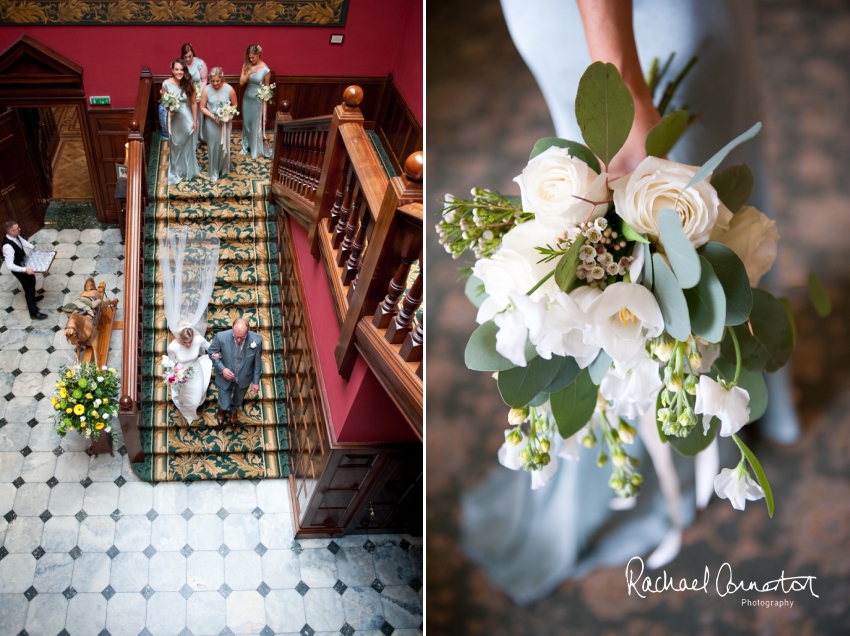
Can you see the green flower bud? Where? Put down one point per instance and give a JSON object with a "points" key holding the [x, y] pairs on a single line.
{"points": [[663, 415], [636, 479], [695, 360], [589, 440], [627, 433], [618, 458], [691, 384], [685, 419], [675, 383], [517, 416], [514, 437], [542, 458], [616, 483], [602, 459], [525, 455], [544, 444], [634, 461], [666, 397]]}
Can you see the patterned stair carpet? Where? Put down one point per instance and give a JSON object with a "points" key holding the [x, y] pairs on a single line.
{"points": [[235, 210]]}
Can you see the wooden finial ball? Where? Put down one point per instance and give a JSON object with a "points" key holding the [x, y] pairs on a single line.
{"points": [[134, 126], [285, 106], [352, 96], [415, 166], [125, 402]]}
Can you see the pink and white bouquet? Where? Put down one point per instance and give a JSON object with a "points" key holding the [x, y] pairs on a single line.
{"points": [[175, 374], [609, 309]]}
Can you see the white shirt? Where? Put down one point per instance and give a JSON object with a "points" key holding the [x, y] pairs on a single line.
{"points": [[9, 252]]}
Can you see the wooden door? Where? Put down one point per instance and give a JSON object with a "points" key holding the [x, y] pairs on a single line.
{"points": [[394, 502], [18, 194]]}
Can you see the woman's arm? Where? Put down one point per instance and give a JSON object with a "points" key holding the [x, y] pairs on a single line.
{"points": [[267, 78], [204, 108], [233, 98], [611, 39], [244, 77], [194, 111], [203, 73]]}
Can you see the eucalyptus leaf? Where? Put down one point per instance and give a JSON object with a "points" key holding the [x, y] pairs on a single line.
{"points": [[647, 268], [696, 441], [751, 381], [520, 385], [734, 186], [671, 300], [574, 405], [481, 354], [681, 253], [539, 399], [599, 367], [791, 320], [577, 150], [732, 274], [820, 299], [630, 233], [474, 290], [605, 110], [759, 471], [707, 305], [666, 133], [565, 270], [566, 374], [769, 346], [711, 165]]}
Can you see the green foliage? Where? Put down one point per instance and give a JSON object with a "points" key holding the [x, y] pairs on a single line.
{"points": [[520, 385], [751, 381], [671, 300], [599, 367], [574, 405], [707, 305], [696, 441], [565, 270], [734, 186], [793, 322], [577, 150], [481, 354], [759, 471], [732, 274], [605, 110], [646, 280], [474, 290], [820, 299], [711, 165], [566, 374], [769, 346], [630, 233], [681, 253], [666, 133]]}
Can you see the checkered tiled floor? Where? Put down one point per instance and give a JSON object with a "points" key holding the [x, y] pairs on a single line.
{"points": [[88, 549]]}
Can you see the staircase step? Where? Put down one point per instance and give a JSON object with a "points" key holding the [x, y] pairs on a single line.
{"points": [[205, 466], [156, 343], [213, 440], [273, 365], [231, 294], [222, 317], [224, 230], [229, 252]]}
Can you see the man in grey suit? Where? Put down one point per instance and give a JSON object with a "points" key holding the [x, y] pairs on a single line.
{"points": [[236, 357]]}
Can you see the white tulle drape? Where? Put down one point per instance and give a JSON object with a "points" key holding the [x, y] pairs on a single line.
{"points": [[188, 266]]}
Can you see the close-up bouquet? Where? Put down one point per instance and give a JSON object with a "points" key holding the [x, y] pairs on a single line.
{"points": [[198, 92], [175, 374], [171, 102], [85, 400], [612, 308], [225, 112], [265, 93]]}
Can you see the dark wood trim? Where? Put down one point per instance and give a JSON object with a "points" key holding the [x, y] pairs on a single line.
{"points": [[397, 128]]}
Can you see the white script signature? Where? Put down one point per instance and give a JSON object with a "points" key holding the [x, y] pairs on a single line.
{"points": [[724, 584]]}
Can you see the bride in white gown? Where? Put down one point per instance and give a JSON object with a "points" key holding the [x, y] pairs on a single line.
{"points": [[188, 264]]}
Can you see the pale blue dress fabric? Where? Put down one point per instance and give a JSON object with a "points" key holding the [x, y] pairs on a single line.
{"points": [[252, 117], [219, 155], [195, 71], [528, 541], [182, 162]]}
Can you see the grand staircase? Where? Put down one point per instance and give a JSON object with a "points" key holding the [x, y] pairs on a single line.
{"points": [[234, 209]]}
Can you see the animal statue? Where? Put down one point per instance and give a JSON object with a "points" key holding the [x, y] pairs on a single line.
{"points": [[81, 330]]}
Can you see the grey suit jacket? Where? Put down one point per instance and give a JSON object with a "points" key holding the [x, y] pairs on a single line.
{"points": [[252, 365]]}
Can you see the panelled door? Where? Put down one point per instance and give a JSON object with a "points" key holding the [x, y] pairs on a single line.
{"points": [[18, 193]]}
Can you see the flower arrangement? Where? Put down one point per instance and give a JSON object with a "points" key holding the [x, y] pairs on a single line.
{"points": [[197, 91], [601, 301], [175, 374], [225, 112], [85, 400], [265, 93], [171, 101]]}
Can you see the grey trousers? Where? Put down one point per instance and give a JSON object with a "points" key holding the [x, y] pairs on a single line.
{"points": [[231, 398]]}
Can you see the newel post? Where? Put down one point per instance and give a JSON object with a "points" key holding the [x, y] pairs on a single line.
{"points": [[283, 116], [335, 159]]}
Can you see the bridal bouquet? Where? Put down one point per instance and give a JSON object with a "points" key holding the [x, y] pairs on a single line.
{"points": [[85, 400], [225, 112], [600, 300], [175, 374], [171, 101], [265, 93]]}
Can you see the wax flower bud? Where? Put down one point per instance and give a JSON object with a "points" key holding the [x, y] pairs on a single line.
{"points": [[517, 416]]}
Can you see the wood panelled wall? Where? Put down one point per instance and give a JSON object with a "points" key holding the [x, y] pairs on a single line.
{"points": [[397, 128], [109, 128]]}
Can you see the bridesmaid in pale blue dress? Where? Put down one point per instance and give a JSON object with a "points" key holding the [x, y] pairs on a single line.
{"points": [[254, 73], [217, 133], [198, 70], [182, 162], [528, 541]]}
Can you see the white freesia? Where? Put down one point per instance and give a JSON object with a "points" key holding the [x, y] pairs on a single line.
{"points": [[509, 453], [632, 393], [587, 352], [513, 326], [737, 486], [560, 330], [625, 315], [550, 183], [753, 237], [730, 405], [654, 185]]}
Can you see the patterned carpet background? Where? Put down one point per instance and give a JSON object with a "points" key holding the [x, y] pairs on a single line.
{"points": [[235, 210]]}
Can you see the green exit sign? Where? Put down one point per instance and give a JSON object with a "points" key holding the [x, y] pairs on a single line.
{"points": [[99, 101]]}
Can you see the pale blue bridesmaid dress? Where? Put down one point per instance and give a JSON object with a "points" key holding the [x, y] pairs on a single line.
{"points": [[219, 153], [195, 71], [182, 162], [252, 117], [528, 541]]}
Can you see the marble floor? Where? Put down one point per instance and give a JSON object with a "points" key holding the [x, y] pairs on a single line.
{"points": [[88, 549]]}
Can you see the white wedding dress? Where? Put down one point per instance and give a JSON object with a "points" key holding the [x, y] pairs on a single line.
{"points": [[188, 398]]}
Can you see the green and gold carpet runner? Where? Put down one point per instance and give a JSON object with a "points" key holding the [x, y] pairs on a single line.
{"points": [[235, 210]]}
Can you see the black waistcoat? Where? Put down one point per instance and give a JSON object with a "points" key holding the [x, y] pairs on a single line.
{"points": [[20, 254]]}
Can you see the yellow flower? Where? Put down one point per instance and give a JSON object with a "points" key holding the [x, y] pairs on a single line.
{"points": [[69, 410], [94, 414], [99, 425], [88, 396], [83, 423], [63, 393], [106, 400], [79, 409], [68, 374]]}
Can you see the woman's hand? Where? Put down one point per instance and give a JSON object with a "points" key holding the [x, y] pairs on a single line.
{"points": [[634, 150], [194, 125]]}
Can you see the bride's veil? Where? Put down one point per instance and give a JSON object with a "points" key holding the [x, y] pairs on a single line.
{"points": [[188, 266]]}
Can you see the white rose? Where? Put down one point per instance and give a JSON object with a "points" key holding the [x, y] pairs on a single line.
{"points": [[550, 183], [753, 237], [654, 185]]}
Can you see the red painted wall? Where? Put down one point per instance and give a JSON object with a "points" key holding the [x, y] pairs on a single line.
{"points": [[113, 56], [360, 408], [407, 69]]}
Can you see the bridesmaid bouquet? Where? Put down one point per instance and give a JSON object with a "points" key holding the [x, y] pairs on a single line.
{"points": [[85, 400], [198, 92], [225, 112], [265, 93], [171, 102], [600, 301], [176, 375]]}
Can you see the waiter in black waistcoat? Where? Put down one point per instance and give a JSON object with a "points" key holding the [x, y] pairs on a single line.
{"points": [[15, 257]]}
